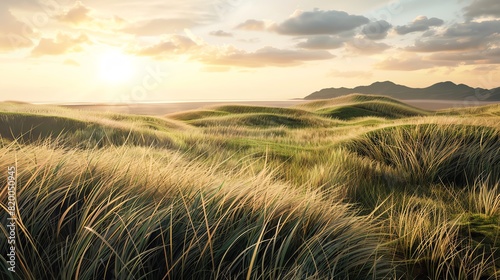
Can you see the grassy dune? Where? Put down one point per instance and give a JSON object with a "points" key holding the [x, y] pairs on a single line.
{"points": [[358, 187]]}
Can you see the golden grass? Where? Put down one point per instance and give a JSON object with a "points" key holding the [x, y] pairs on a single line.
{"points": [[254, 193]]}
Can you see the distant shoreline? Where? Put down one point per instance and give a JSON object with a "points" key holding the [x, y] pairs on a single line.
{"points": [[165, 108]]}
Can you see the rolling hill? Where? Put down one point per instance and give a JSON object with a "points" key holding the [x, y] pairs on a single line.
{"points": [[439, 91], [356, 187]]}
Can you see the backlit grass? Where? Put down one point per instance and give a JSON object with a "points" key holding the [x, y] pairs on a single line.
{"points": [[247, 192]]}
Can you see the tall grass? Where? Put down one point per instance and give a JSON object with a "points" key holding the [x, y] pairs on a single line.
{"points": [[132, 213], [430, 153], [430, 240], [254, 193]]}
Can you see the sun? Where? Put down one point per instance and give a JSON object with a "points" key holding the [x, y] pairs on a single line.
{"points": [[115, 67]]}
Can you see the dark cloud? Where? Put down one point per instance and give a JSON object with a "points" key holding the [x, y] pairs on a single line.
{"points": [[364, 46], [62, 44], [376, 30], [465, 43], [252, 25], [421, 23], [429, 33], [319, 22], [221, 33], [488, 56], [480, 8], [322, 42], [158, 26], [474, 29], [444, 44], [461, 37]]}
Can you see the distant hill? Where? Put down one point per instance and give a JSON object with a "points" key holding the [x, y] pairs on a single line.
{"points": [[355, 106], [439, 91]]}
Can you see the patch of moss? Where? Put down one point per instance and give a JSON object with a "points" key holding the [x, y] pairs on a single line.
{"points": [[483, 232]]}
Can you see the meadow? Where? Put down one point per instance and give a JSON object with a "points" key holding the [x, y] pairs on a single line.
{"points": [[356, 187]]}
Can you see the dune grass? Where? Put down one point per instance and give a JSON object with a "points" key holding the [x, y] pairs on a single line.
{"points": [[373, 109], [247, 192], [347, 99], [98, 214]]}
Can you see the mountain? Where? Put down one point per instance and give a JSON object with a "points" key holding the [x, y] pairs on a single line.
{"points": [[440, 91]]}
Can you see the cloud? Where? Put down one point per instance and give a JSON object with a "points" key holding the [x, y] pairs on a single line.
{"points": [[461, 37], [364, 46], [465, 43], [421, 23], [71, 62], [251, 40], [319, 22], [228, 55], [221, 33], [487, 68], [158, 26], [252, 25], [81, 16], [12, 42], [474, 29], [78, 14], [429, 33], [350, 74], [267, 56], [488, 56], [482, 8], [407, 62], [376, 30], [14, 34], [62, 44], [444, 44], [322, 42], [168, 46]]}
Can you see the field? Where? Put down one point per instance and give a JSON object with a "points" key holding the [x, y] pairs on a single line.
{"points": [[357, 187]]}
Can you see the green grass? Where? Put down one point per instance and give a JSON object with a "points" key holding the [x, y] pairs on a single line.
{"points": [[262, 120], [371, 109], [486, 111], [357, 187], [76, 129], [429, 153], [348, 99]]}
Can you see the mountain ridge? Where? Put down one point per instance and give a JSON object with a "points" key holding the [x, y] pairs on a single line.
{"points": [[440, 91]]}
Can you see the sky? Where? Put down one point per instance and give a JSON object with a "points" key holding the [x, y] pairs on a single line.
{"points": [[148, 51]]}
